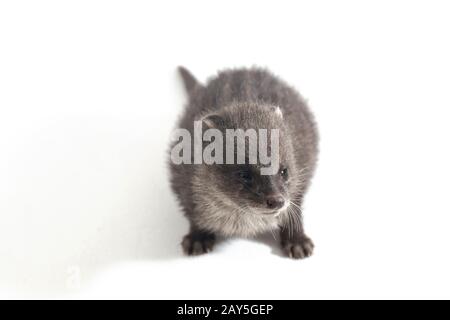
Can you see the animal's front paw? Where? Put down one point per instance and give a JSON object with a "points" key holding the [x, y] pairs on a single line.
{"points": [[197, 243], [300, 248]]}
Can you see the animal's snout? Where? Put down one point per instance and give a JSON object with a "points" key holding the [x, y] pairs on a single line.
{"points": [[275, 202]]}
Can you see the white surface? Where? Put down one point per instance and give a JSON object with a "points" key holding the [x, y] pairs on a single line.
{"points": [[89, 95]]}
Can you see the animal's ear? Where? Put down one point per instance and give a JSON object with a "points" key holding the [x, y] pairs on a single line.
{"points": [[213, 121], [277, 111]]}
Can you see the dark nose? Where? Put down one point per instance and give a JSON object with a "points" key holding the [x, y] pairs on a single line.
{"points": [[275, 202]]}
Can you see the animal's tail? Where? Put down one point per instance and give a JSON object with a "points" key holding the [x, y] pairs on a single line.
{"points": [[190, 83]]}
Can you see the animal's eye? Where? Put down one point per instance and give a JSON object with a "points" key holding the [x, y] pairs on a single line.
{"points": [[284, 173], [245, 176]]}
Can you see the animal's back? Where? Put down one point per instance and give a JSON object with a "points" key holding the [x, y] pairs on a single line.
{"points": [[262, 87]]}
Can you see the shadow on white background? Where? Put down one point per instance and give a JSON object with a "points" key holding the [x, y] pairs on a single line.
{"points": [[88, 192]]}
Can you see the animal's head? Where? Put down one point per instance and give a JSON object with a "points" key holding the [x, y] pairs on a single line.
{"points": [[260, 178]]}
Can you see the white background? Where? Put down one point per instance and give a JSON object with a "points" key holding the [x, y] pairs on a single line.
{"points": [[89, 95]]}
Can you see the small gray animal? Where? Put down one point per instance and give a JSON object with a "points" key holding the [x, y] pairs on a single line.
{"points": [[235, 199]]}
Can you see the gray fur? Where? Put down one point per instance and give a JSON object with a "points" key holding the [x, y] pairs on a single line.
{"points": [[213, 199]]}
